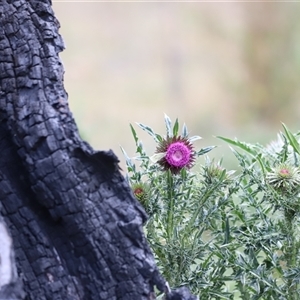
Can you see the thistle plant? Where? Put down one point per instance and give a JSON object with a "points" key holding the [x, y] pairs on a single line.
{"points": [[270, 189], [224, 234]]}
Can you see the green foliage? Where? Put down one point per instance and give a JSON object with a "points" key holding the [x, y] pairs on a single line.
{"points": [[224, 234]]}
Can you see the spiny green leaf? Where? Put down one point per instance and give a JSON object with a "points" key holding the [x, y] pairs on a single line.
{"points": [[221, 296], [185, 132], [168, 126], [248, 148], [244, 146], [262, 165], [227, 231], [195, 138], [148, 130], [127, 158], [134, 133], [159, 138], [205, 150], [140, 148], [293, 141], [175, 127]]}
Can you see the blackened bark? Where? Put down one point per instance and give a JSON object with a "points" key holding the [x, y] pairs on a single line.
{"points": [[76, 227]]}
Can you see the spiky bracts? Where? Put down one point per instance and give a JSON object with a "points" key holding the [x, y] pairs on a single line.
{"points": [[284, 177], [141, 192]]}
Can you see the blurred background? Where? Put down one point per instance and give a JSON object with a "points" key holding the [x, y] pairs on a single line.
{"points": [[229, 69]]}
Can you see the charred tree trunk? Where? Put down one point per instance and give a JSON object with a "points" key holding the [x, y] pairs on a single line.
{"points": [[76, 227]]}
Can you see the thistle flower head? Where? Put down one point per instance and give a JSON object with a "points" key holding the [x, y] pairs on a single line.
{"points": [[214, 172], [178, 153], [141, 192], [284, 177], [275, 146]]}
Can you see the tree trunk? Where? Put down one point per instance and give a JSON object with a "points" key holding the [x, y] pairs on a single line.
{"points": [[76, 227]]}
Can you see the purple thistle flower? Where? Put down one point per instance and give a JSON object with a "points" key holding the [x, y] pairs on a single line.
{"points": [[178, 154]]}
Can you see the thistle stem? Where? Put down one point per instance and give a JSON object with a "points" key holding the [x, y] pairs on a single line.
{"points": [[291, 252], [170, 215]]}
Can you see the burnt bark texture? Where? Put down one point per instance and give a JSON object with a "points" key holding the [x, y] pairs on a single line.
{"points": [[76, 227]]}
